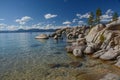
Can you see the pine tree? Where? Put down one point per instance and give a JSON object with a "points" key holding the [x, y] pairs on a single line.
{"points": [[98, 14], [115, 16], [91, 19]]}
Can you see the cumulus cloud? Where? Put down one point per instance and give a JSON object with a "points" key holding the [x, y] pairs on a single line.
{"points": [[46, 26], [80, 23], [6, 27], [2, 25], [109, 12], [23, 20], [80, 16], [67, 22], [12, 27], [2, 19], [107, 16], [75, 20], [49, 16]]}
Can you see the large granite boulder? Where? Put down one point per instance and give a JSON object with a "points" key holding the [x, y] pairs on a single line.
{"points": [[81, 41], [93, 32], [117, 39], [110, 45], [111, 76], [89, 50], [117, 47], [98, 53], [70, 36], [110, 54], [108, 35], [78, 51], [95, 46], [99, 38], [42, 36], [115, 25], [80, 36]]}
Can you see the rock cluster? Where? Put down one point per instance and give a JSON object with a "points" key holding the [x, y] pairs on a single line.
{"points": [[101, 41], [71, 33]]}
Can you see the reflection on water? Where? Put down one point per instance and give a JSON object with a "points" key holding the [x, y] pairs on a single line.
{"points": [[42, 40], [22, 57]]}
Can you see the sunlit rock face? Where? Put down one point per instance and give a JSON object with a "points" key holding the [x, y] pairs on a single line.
{"points": [[42, 36], [93, 32]]}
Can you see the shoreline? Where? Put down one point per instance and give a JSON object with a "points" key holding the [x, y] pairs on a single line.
{"points": [[99, 42]]}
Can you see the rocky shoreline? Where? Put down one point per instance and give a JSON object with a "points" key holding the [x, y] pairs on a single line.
{"points": [[101, 41]]}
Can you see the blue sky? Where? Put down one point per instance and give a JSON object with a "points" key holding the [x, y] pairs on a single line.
{"points": [[45, 14]]}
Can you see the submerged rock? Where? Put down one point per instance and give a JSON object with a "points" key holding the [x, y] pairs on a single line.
{"points": [[58, 65], [111, 76], [57, 53], [54, 65], [75, 64]]}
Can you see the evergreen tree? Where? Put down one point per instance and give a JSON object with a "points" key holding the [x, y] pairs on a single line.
{"points": [[98, 14], [115, 16], [91, 19]]}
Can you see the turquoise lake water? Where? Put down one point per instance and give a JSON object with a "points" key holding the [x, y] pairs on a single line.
{"points": [[21, 52], [22, 57]]}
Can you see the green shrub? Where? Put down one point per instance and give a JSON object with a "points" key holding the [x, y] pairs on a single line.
{"points": [[102, 38]]}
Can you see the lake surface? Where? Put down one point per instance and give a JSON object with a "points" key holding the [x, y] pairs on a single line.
{"points": [[22, 57]]}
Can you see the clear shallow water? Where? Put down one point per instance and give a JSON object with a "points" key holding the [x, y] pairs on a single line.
{"points": [[21, 52], [24, 58]]}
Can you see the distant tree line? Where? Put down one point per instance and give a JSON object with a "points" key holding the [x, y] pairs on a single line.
{"points": [[96, 19]]}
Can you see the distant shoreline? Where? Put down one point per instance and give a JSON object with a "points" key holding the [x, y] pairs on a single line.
{"points": [[29, 31]]}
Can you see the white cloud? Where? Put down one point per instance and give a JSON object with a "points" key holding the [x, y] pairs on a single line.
{"points": [[107, 16], [23, 20], [2, 19], [2, 25], [49, 16], [75, 20], [119, 17], [49, 26], [109, 12], [86, 15], [12, 27], [8, 27], [80, 23], [67, 22]]}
